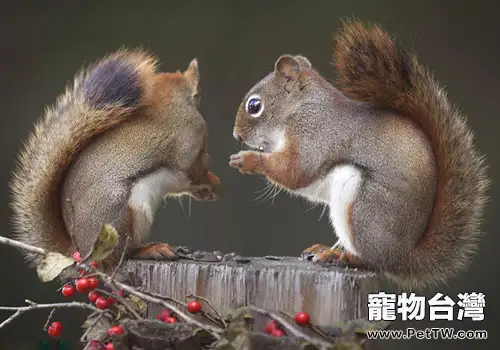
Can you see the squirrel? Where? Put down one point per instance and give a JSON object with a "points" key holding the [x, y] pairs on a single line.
{"points": [[116, 143], [382, 147]]}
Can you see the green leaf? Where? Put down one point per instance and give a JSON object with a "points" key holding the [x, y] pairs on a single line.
{"points": [[52, 265], [105, 243], [141, 305]]}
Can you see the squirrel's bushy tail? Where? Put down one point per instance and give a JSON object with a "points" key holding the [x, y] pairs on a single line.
{"points": [[102, 96], [373, 68]]}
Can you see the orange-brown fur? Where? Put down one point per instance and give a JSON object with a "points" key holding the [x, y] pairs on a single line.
{"points": [[281, 167], [113, 106]]}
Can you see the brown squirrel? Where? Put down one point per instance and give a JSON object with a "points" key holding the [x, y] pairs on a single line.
{"points": [[117, 142], [388, 153]]}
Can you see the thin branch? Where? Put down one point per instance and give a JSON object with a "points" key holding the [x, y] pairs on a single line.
{"points": [[207, 315], [120, 299], [122, 257], [215, 331], [193, 296], [311, 326], [159, 296], [10, 319], [46, 326], [91, 326], [23, 246], [34, 306], [71, 225], [291, 329]]}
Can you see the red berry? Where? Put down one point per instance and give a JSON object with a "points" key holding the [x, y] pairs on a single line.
{"points": [[82, 285], [109, 346], [302, 318], [277, 333], [194, 307], [55, 329], [93, 282], [170, 320], [93, 295], [112, 300], [77, 257], [95, 263], [102, 303], [271, 326], [95, 345], [166, 312], [68, 290], [163, 315], [115, 330], [121, 292]]}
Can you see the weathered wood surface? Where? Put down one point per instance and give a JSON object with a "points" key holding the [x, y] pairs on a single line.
{"points": [[330, 294]]}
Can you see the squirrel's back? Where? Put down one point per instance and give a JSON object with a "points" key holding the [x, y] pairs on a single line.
{"points": [[102, 96], [374, 69]]}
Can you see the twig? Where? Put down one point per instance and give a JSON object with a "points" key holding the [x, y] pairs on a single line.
{"points": [[48, 320], [71, 225], [10, 319], [291, 329], [122, 300], [19, 245], [311, 326], [159, 296], [34, 306], [215, 331], [122, 257], [193, 296], [92, 325]]}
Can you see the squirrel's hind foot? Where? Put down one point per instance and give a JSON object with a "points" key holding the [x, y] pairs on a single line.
{"points": [[323, 254], [154, 251]]}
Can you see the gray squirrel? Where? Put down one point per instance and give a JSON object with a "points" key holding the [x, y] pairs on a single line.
{"points": [[388, 153], [118, 141]]}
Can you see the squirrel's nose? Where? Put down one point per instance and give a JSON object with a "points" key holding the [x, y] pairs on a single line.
{"points": [[237, 136]]}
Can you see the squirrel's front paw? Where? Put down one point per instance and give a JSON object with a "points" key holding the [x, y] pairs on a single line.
{"points": [[245, 161], [203, 192]]}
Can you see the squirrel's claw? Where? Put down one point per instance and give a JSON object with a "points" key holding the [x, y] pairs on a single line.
{"points": [[323, 254], [155, 251], [313, 251]]}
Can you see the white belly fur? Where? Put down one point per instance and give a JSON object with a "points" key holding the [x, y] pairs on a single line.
{"points": [[339, 190], [146, 196]]}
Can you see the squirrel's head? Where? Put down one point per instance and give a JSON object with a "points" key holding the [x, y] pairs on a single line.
{"points": [[262, 111]]}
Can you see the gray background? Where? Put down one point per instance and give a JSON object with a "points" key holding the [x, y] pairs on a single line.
{"points": [[44, 43]]}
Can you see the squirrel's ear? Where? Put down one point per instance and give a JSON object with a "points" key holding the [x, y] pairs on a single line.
{"points": [[287, 67], [192, 75], [303, 61]]}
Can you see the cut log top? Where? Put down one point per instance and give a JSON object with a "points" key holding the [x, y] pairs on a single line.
{"points": [[288, 284]]}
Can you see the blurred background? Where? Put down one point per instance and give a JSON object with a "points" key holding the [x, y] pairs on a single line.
{"points": [[44, 43]]}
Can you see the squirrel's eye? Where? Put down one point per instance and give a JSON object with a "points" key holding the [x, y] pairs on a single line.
{"points": [[254, 106]]}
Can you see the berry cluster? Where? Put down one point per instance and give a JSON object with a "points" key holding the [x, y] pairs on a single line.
{"points": [[167, 316], [88, 285], [85, 284], [273, 328]]}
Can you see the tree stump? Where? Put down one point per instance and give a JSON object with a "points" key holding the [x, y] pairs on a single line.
{"points": [[329, 294]]}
